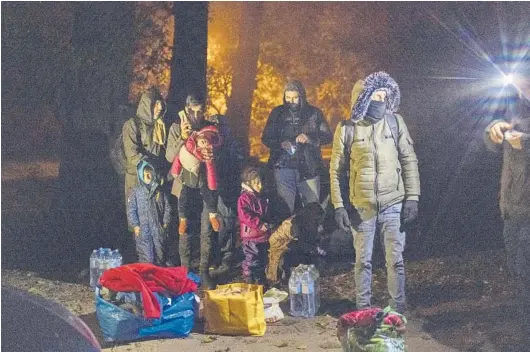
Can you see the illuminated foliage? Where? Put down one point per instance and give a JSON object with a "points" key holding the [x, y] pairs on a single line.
{"points": [[154, 23], [297, 42]]}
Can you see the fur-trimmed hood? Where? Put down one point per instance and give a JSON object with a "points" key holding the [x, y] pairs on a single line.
{"points": [[363, 90]]}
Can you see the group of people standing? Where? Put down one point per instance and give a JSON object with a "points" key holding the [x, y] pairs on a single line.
{"points": [[196, 157], [374, 179]]}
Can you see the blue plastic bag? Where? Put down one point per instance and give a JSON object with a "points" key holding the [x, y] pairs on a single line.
{"points": [[176, 320]]}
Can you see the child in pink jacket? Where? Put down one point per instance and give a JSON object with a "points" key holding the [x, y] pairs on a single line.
{"points": [[252, 210]]}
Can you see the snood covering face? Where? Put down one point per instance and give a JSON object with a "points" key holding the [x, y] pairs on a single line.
{"points": [[376, 111]]}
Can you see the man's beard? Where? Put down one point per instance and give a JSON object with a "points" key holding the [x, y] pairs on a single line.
{"points": [[294, 106], [195, 118]]}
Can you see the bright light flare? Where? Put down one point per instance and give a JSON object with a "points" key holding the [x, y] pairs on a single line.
{"points": [[508, 79]]}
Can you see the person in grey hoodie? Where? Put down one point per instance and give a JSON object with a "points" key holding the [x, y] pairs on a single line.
{"points": [[511, 137], [294, 133], [145, 135]]}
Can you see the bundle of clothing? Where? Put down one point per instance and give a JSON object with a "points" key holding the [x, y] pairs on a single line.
{"points": [[147, 279], [372, 329]]}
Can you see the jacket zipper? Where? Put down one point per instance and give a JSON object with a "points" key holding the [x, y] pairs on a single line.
{"points": [[375, 167]]}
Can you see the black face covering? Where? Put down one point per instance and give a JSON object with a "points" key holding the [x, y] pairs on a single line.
{"points": [[376, 111]]}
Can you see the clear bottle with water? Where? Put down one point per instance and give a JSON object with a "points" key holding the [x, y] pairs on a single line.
{"points": [[107, 258], [101, 262], [308, 294], [295, 293], [116, 259], [316, 280], [103, 259], [93, 268]]}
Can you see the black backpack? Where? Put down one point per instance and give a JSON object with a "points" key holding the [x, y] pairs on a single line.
{"points": [[117, 151]]}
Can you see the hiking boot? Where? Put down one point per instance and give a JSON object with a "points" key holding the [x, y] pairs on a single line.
{"points": [[183, 226]]}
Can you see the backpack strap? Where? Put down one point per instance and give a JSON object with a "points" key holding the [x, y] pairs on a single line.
{"points": [[391, 119], [349, 133]]}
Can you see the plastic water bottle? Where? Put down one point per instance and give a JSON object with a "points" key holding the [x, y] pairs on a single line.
{"points": [[101, 265], [295, 293], [316, 280], [308, 294], [103, 259], [107, 258], [93, 268], [116, 259]]}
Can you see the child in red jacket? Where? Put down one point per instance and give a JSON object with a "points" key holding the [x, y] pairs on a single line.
{"points": [[196, 170], [252, 210]]}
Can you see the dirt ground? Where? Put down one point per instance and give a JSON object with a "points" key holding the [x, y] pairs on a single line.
{"points": [[463, 302], [289, 334]]}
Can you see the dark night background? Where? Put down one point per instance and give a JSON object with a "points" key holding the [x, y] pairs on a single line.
{"points": [[68, 68], [73, 71]]}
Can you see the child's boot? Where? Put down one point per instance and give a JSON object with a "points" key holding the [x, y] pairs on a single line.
{"points": [[183, 226]]}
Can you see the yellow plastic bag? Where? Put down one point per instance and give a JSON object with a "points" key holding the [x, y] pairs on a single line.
{"points": [[235, 309]]}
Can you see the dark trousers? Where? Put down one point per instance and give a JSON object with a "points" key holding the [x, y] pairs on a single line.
{"points": [[517, 245], [214, 248], [209, 198], [255, 261]]}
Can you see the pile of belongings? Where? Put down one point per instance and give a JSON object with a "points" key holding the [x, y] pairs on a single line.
{"points": [[143, 300], [372, 330]]}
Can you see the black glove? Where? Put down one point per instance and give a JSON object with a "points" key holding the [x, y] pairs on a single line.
{"points": [[409, 214], [342, 219]]}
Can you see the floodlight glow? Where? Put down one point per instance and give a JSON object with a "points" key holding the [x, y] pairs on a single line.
{"points": [[508, 79]]}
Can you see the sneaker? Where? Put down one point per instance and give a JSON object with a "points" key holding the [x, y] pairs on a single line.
{"points": [[183, 226]]}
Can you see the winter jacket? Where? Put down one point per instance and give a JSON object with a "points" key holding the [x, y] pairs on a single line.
{"points": [[148, 206], [282, 125], [382, 172], [252, 210], [145, 147], [515, 178], [228, 158], [190, 159]]}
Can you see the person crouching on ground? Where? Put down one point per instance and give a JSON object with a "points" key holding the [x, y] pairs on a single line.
{"points": [[252, 210], [149, 214], [294, 242], [187, 165]]}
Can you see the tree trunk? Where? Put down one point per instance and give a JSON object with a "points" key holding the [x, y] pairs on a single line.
{"points": [[245, 67], [188, 69], [89, 205]]}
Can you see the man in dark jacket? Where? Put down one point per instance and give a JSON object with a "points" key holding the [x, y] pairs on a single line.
{"points": [[383, 182], [294, 133], [512, 138], [228, 159]]}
